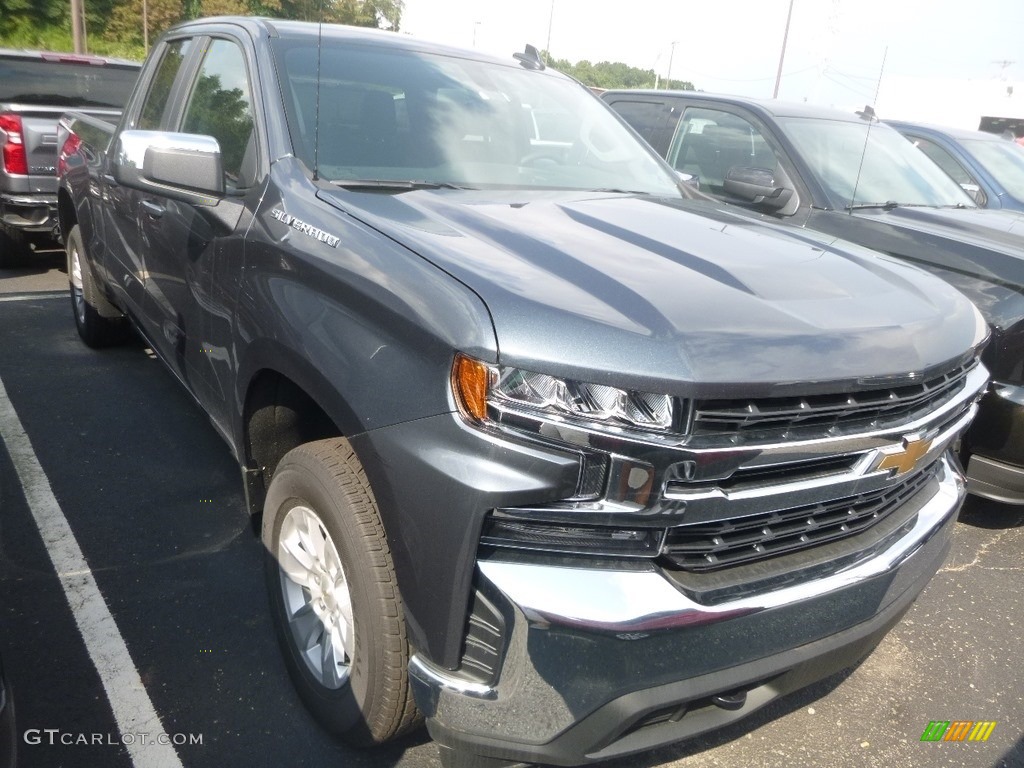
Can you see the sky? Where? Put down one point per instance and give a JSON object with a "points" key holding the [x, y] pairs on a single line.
{"points": [[933, 50]]}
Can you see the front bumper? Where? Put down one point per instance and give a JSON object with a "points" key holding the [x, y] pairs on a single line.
{"points": [[995, 441], [613, 659]]}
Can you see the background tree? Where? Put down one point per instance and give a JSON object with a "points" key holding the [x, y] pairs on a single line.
{"points": [[33, 23], [224, 8], [616, 74], [359, 13], [114, 27], [125, 25]]}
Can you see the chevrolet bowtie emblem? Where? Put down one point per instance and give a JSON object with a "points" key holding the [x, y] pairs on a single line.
{"points": [[904, 458]]}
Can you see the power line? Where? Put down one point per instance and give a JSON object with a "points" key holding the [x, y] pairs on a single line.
{"points": [[711, 76]]}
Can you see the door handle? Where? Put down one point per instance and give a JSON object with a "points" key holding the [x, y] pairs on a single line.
{"points": [[155, 210]]}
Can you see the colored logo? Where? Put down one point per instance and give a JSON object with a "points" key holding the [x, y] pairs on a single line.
{"points": [[958, 730], [905, 457]]}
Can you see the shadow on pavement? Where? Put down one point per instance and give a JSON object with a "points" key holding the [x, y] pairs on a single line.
{"points": [[991, 515]]}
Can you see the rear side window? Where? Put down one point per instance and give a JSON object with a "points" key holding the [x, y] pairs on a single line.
{"points": [[655, 121], [160, 90], [64, 82]]}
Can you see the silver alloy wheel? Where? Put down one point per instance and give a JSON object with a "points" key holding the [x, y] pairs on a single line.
{"points": [[316, 597], [77, 291]]}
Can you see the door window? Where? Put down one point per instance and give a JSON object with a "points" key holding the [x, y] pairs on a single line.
{"points": [[710, 142], [220, 105], [943, 159]]}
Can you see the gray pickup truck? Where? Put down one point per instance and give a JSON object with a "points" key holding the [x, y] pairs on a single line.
{"points": [[36, 88], [543, 456]]}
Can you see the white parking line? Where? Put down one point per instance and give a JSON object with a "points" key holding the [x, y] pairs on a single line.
{"points": [[34, 296], [132, 708]]}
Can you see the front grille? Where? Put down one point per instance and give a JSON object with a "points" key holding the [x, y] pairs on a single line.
{"points": [[826, 415], [710, 546]]}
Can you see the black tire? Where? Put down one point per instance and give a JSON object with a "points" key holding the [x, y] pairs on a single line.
{"points": [[99, 323], [321, 488], [14, 248]]}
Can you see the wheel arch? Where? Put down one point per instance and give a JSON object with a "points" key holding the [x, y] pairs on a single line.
{"points": [[285, 402], [67, 216]]}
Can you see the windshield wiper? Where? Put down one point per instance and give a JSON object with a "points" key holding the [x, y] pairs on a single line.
{"points": [[617, 191], [394, 184], [886, 206]]}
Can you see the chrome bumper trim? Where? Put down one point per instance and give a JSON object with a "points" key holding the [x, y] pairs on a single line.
{"points": [[995, 480], [430, 674], [635, 601]]}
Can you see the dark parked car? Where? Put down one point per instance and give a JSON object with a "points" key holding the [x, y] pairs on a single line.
{"points": [[860, 180], [989, 167]]}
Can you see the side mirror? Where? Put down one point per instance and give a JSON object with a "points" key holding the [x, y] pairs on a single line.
{"points": [[758, 186], [181, 166], [976, 193]]}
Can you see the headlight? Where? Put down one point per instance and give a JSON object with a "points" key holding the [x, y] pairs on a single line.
{"points": [[477, 385]]}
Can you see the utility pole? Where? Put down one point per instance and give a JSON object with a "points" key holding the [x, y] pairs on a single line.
{"points": [[782, 56], [78, 26], [145, 25], [551, 20], [671, 55]]}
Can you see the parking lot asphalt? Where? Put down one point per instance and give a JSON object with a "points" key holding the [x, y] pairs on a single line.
{"points": [[154, 500]]}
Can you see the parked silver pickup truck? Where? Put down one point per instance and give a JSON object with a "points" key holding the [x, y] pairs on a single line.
{"points": [[36, 88]]}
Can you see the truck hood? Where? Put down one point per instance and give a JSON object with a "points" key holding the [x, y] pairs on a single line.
{"points": [[980, 252], [584, 284]]}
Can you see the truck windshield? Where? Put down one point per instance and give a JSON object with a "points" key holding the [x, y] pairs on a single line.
{"points": [[894, 171], [65, 83], [390, 114]]}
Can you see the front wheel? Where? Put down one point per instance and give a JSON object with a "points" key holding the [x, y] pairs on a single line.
{"points": [[334, 597], [99, 323]]}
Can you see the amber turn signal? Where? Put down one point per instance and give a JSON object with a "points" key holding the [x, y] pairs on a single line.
{"points": [[470, 380]]}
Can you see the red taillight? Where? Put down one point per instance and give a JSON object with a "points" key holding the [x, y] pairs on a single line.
{"points": [[15, 160], [71, 145]]}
